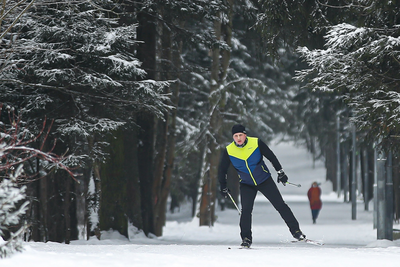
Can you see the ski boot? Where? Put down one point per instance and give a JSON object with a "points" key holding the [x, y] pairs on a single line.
{"points": [[246, 243], [299, 235]]}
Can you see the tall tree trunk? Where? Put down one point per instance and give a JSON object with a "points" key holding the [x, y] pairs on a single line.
{"points": [[82, 194], [35, 209], [67, 205], [330, 162], [199, 176], [43, 196], [371, 171], [171, 63], [345, 171], [171, 141], [219, 68], [96, 200], [146, 53], [134, 210], [160, 148], [396, 186], [145, 161], [112, 214], [207, 207], [132, 156], [81, 190]]}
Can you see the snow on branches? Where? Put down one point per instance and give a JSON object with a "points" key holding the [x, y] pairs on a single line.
{"points": [[361, 65], [15, 147], [11, 211], [15, 150]]}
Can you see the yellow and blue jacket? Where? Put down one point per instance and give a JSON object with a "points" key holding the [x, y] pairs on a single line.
{"points": [[248, 162]]}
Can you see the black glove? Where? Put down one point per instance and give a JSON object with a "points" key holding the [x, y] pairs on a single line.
{"points": [[225, 191], [282, 177]]}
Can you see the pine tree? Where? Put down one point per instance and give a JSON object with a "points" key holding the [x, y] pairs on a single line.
{"points": [[256, 92], [16, 152], [74, 61], [361, 64], [11, 213]]}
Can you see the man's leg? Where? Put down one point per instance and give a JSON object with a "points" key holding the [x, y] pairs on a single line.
{"points": [[271, 192], [247, 195]]}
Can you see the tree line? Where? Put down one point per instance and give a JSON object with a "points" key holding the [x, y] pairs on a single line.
{"points": [[142, 95]]}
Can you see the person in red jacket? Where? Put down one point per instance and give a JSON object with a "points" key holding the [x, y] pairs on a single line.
{"points": [[314, 196]]}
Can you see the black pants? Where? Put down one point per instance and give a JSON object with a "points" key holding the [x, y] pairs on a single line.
{"points": [[270, 191]]}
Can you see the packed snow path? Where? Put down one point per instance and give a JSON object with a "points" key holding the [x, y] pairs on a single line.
{"points": [[347, 242], [334, 226]]}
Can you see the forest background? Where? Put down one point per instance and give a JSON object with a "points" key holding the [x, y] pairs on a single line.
{"points": [[141, 96]]}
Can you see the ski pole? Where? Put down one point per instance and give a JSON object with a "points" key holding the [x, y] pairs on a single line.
{"points": [[234, 203], [296, 185]]}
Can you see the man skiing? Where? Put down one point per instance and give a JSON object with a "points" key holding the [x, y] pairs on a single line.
{"points": [[246, 155]]}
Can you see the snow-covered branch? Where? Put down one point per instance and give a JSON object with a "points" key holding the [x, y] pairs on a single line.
{"points": [[11, 212], [8, 12], [16, 148], [360, 64]]}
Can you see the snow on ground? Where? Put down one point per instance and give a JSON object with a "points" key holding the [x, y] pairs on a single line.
{"points": [[347, 242]]}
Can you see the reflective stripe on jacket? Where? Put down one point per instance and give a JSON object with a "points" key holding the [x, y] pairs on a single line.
{"points": [[248, 161]]}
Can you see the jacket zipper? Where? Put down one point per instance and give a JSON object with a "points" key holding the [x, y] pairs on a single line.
{"points": [[251, 175]]}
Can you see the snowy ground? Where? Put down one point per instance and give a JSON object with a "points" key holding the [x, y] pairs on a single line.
{"points": [[347, 242]]}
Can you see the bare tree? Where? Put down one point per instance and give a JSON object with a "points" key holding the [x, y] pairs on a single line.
{"points": [[12, 10], [15, 151], [15, 147]]}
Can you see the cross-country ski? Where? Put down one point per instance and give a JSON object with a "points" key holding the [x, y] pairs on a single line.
{"points": [[309, 241]]}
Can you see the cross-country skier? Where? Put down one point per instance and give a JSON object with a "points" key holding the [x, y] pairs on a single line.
{"points": [[246, 155]]}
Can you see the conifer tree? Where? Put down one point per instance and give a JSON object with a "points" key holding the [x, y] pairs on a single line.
{"points": [[16, 154], [74, 62], [11, 213]]}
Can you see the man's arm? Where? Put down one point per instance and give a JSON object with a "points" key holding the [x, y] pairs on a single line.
{"points": [[223, 169], [267, 152]]}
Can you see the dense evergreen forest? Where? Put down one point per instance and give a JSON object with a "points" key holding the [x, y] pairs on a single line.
{"points": [[138, 98]]}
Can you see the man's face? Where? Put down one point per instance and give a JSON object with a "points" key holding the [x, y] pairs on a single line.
{"points": [[239, 138]]}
